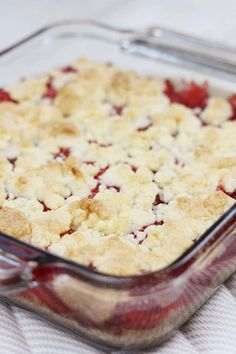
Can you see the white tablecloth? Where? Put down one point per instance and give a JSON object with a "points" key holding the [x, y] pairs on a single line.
{"points": [[213, 329]]}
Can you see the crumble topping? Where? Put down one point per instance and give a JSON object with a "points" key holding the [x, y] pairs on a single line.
{"points": [[116, 171]]}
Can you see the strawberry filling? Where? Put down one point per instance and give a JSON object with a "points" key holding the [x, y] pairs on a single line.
{"points": [[92, 266], [143, 129], [92, 141], [158, 201], [68, 196], [118, 110], [143, 228], [175, 134], [101, 172], [45, 208], [139, 316], [92, 163], [63, 153], [230, 194], [179, 163], [50, 92], [6, 97], [67, 232], [133, 168], [68, 69], [95, 190], [113, 187], [13, 161], [192, 96], [8, 197], [232, 101]]}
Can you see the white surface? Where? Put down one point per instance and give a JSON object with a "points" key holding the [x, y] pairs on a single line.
{"points": [[213, 329], [208, 18]]}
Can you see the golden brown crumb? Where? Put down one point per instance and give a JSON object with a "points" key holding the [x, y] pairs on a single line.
{"points": [[13, 222]]}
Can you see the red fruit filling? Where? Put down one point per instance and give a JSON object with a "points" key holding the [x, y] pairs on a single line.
{"points": [[92, 141], [133, 168], [230, 194], [6, 97], [45, 208], [68, 69], [8, 197], [175, 134], [67, 232], [101, 172], [143, 129], [12, 161], [192, 96], [143, 228], [232, 101], [89, 162], [179, 163], [157, 200], [50, 92], [63, 153], [92, 266], [68, 196], [127, 317], [118, 110], [95, 190], [113, 187]]}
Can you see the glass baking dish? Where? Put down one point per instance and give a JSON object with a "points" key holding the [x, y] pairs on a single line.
{"points": [[107, 311]]}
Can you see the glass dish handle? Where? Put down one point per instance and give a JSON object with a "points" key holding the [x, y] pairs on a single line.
{"points": [[177, 48], [15, 275]]}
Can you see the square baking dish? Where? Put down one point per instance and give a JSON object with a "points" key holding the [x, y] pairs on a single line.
{"points": [[113, 312]]}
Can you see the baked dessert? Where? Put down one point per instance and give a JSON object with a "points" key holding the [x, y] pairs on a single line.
{"points": [[116, 171]]}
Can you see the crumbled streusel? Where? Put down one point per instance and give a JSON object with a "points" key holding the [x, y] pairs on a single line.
{"points": [[113, 170]]}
